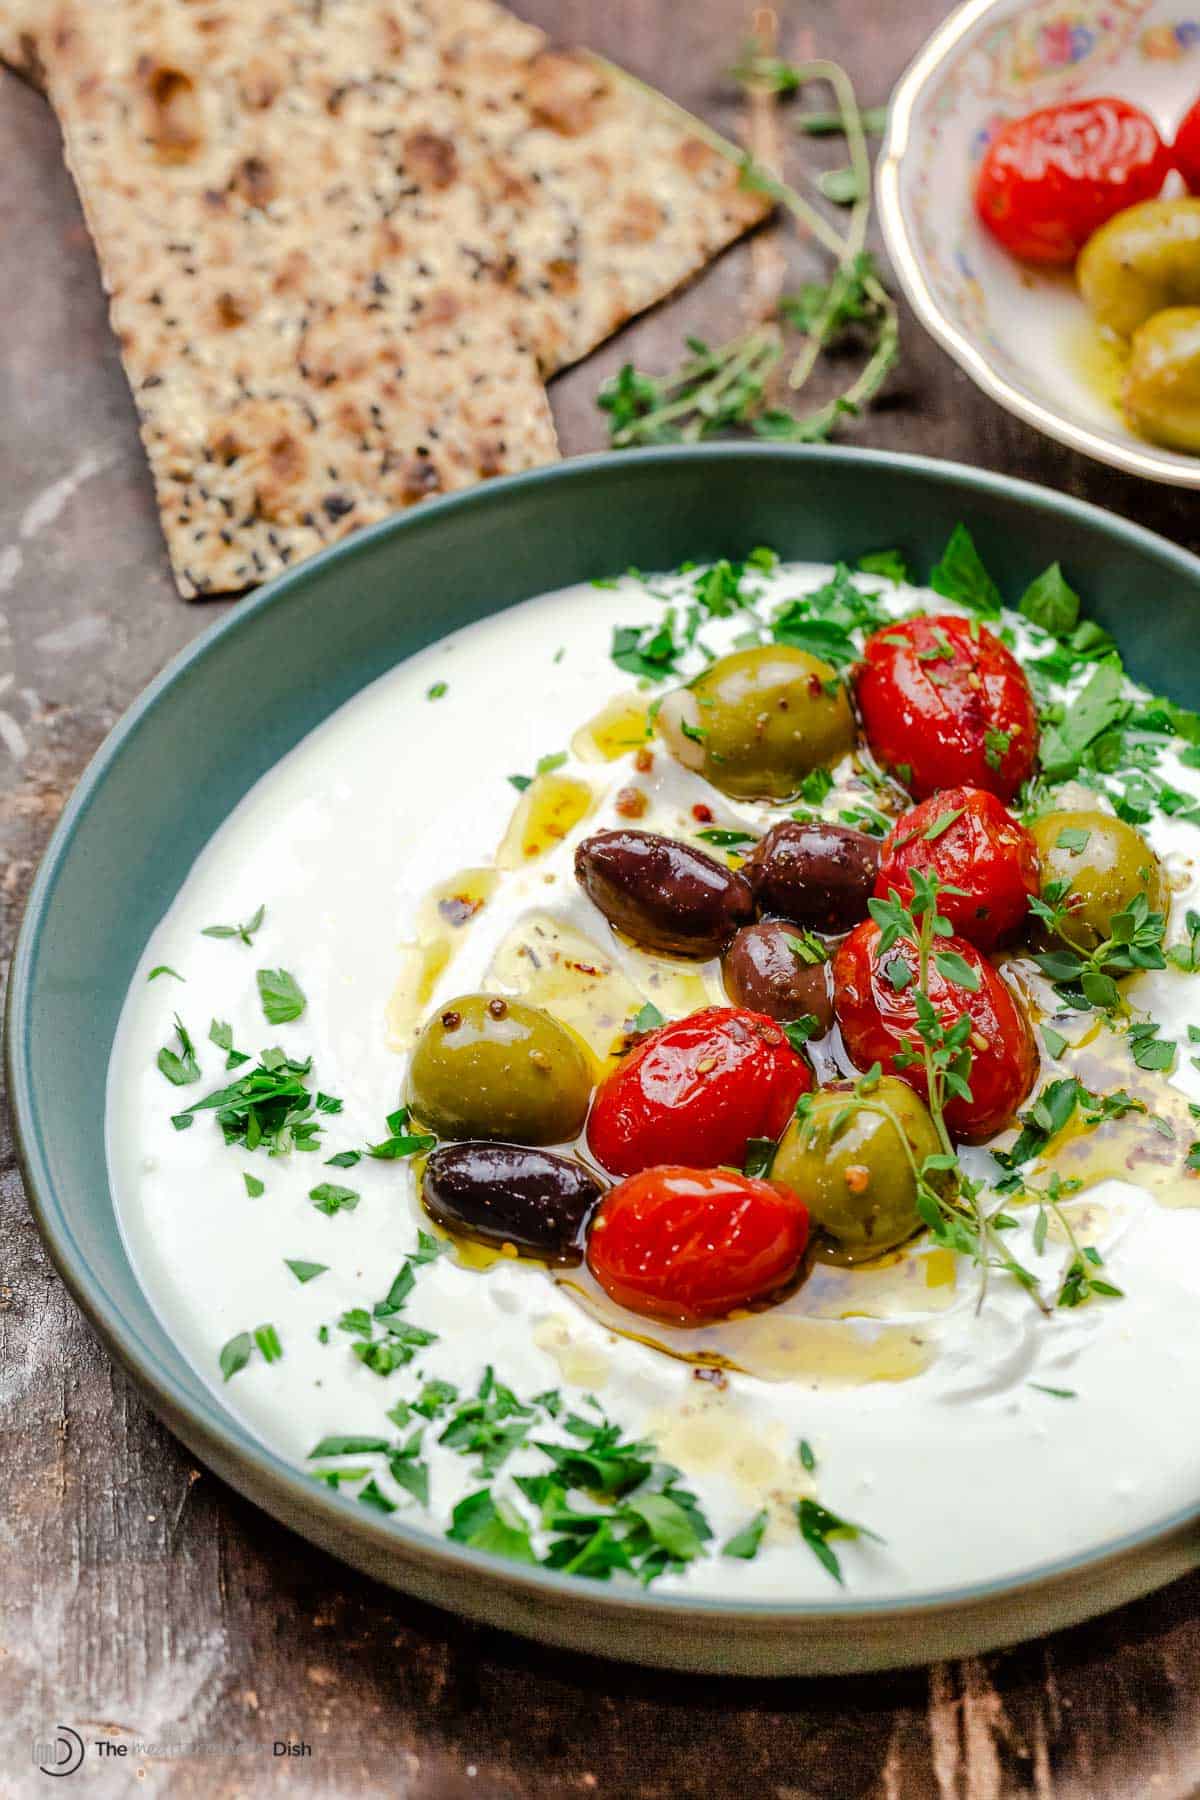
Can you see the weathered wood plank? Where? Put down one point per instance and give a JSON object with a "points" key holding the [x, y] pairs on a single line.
{"points": [[139, 1596]]}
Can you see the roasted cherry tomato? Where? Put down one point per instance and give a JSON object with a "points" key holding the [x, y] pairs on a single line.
{"points": [[879, 1019], [691, 1244], [943, 704], [699, 1088], [1052, 178], [1186, 152], [969, 840]]}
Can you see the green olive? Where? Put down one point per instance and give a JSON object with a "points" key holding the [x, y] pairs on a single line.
{"points": [[846, 1157], [754, 723], [1106, 863], [1162, 389], [1145, 258], [487, 1067]]}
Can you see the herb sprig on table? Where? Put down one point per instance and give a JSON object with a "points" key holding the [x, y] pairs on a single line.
{"points": [[734, 385]]}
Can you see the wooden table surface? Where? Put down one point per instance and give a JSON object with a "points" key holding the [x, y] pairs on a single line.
{"points": [[139, 1595]]}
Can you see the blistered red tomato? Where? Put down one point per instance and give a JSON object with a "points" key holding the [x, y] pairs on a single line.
{"points": [[970, 841], [1186, 152], [944, 704], [878, 1018], [1050, 179], [689, 1244], [696, 1091]]}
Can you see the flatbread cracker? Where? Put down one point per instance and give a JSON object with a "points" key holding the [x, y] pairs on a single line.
{"points": [[606, 195], [310, 307], [344, 241]]}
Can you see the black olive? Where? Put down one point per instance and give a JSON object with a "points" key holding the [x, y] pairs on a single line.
{"points": [[511, 1194], [663, 894]]}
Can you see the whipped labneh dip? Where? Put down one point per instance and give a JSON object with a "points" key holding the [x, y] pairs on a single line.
{"points": [[392, 862]]}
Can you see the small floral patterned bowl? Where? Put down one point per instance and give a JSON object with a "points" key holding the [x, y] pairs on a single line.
{"points": [[1023, 335]]}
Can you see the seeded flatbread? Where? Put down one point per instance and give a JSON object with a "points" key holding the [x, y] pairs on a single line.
{"points": [[605, 195], [305, 287], [343, 238]]}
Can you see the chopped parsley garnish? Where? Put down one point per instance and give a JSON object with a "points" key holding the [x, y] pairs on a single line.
{"points": [[348, 1446], [823, 622], [807, 948], [725, 838], [651, 652], [744, 1543], [1187, 956], [237, 1352], [429, 1248], [305, 1271], [220, 1033], [254, 1187], [1095, 710], [888, 563], [1056, 1393], [521, 782], [488, 1522], [647, 1018], [281, 996], [437, 691], [808, 1458], [818, 1525], [164, 969], [996, 746], [799, 1031], [816, 786], [269, 1107], [1051, 602], [760, 1154], [329, 1198], [180, 1067], [372, 1495], [961, 576], [942, 824], [491, 1424], [400, 1142], [244, 933]]}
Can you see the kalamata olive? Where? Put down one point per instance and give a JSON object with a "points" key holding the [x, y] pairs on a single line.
{"points": [[663, 894], [510, 1194], [814, 874], [771, 970]]}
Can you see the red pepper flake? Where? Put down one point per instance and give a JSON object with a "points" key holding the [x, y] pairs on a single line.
{"points": [[643, 761], [703, 813]]}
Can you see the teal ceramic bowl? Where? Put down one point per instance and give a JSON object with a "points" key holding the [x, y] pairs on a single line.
{"points": [[270, 671]]}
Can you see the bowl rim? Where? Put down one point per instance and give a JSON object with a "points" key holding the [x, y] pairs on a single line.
{"points": [[1152, 464], [214, 1432]]}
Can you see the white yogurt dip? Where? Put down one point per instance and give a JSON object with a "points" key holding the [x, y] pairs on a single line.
{"points": [[924, 1421]]}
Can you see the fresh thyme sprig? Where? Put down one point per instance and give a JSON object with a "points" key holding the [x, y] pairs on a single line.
{"points": [[949, 1201], [728, 386]]}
